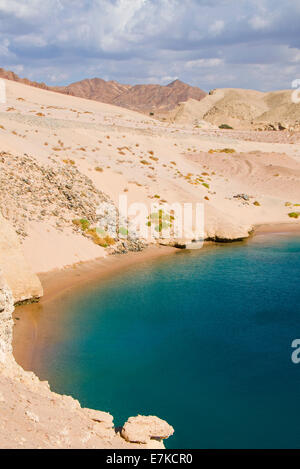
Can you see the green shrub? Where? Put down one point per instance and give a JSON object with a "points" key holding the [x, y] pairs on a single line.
{"points": [[123, 231], [225, 126], [83, 223]]}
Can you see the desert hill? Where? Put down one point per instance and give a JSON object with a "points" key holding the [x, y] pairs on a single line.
{"points": [[155, 97], [9, 75], [183, 104], [96, 89], [240, 109]]}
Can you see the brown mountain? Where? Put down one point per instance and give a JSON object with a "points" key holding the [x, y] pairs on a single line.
{"points": [[96, 89], [142, 98], [8, 75], [156, 97]]}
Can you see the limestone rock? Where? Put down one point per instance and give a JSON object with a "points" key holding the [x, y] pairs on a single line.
{"points": [[141, 429], [223, 227], [31, 416], [23, 283], [6, 323], [100, 417]]}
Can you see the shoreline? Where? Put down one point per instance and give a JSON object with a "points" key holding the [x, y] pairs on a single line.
{"points": [[269, 228], [60, 283], [63, 280]]}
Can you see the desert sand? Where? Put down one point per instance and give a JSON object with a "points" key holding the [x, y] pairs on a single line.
{"points": [[120, 150]]}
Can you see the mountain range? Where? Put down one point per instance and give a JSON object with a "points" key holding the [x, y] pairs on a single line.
{"points": [[142, 98]]}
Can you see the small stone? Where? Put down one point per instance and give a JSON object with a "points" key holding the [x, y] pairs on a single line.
{"points": [[33, 417]]}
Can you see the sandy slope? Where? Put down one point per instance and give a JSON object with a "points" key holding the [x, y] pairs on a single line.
{"points": [[241, 109], [143, 158]]}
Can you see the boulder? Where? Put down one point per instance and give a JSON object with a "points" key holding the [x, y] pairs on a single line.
{"points": [[142, 429], [23, 283]]}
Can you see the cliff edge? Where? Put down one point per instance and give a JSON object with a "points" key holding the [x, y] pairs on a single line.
{"points": [[23, 283]]}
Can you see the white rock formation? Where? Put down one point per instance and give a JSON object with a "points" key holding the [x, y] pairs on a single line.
{"points": [[142, 429], [6, 322], [23, 283]]}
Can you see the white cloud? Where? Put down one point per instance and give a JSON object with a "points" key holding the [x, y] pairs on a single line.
{"points": [[141, 40], [213, 62], [27, 9], [217, 27], [257, 22]]}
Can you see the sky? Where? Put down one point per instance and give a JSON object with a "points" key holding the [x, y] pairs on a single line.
{"points": [[206, 43]]}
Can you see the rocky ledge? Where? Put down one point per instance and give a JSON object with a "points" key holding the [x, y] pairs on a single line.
{"points": [[34, 417]]}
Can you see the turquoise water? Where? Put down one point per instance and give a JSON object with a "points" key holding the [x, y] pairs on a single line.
{"points": [[202, 339]]}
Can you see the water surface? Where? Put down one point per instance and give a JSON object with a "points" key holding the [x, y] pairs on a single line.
{"points": [[202, 339]]}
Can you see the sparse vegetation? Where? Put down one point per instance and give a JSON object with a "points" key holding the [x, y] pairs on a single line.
{"points": [[82, 223], [225, 126], [161, 220], [99, 239], [222, 150], [70, 162], [294, 214]]}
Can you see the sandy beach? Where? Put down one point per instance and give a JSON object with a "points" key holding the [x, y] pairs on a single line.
{"points": [[61, 283]]}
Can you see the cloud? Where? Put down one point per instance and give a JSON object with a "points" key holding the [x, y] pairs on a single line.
{"points": [[252, 43], [217, 27], [214, 62], [257, 22]]}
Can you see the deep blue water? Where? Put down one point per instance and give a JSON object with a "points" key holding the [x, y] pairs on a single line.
{"points": [[202, 339]]}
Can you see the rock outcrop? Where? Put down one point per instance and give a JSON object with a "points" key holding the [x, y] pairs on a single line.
{"points": [[143, 429], [6, 322], [23, 283]]}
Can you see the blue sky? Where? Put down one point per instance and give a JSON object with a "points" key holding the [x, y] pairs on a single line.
{"points": [[211, 44]]}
